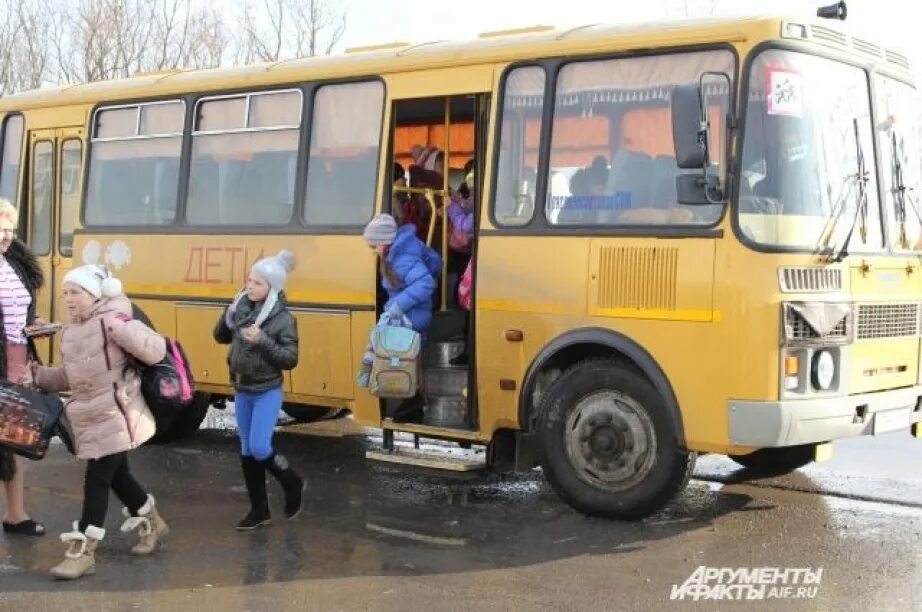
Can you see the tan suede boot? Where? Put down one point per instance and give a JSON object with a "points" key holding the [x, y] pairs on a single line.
{"points": [[150, 525], [80, 558]]}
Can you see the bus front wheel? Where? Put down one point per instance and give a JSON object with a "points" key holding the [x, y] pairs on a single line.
{"points": [[610, 448], [776, 461]]}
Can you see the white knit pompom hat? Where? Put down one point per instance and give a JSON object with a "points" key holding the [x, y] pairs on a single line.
{"points": [[95, 280], [274, 270]]}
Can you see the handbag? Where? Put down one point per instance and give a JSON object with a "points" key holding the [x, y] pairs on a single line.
{"points": [[29, 418]]}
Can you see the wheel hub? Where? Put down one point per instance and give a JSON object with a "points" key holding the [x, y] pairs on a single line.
{"points": [[610, 440], [606, 442]]}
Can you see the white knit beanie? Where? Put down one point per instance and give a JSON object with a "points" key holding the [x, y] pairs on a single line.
{"points": [[95, 280], [274, 270], [380, 231]]}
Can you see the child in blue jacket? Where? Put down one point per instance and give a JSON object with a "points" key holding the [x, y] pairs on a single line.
{"points": [[408, 273]]}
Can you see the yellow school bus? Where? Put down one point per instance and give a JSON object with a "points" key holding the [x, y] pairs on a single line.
{"points": [[690, 238]]}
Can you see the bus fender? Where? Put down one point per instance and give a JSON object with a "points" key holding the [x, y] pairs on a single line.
{"points": [[611, 343]]}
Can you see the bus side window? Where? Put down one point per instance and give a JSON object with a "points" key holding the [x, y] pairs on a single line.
{"points": [[242, 151], [520, 133], [342, 168], [71, 166], [619, 109], [133, 166], [12, 153]]}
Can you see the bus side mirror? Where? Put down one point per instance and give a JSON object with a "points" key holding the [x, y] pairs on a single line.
{"points": [[691, 134], [693, 189], [689, 130]]}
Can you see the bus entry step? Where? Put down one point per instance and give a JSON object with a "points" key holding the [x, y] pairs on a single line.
{"points": [[428, 462]]}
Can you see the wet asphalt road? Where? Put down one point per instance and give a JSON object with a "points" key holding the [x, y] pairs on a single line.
{"points": [[375, 540]]}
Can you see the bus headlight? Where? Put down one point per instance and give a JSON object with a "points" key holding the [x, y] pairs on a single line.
{"points": [[823, 372]]}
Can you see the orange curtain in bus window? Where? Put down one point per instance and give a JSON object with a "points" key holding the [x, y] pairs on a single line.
{"points": [[577, 140], [650, 131], [433, 135]]}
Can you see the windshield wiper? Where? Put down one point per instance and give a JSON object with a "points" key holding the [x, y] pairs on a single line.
{"points": [[845, 194], [861, 210], [900, 192]]}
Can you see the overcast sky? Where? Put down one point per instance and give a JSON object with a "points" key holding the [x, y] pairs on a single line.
{"points": [[894, 23]]}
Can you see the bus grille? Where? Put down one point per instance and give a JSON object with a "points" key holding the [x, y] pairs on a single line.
{"points": [[801, 330], [638, 277], [810, 280], [887, 321]]}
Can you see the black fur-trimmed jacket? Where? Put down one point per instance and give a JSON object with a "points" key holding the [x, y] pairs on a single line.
{"points": [[30, 273], [258, 367]]}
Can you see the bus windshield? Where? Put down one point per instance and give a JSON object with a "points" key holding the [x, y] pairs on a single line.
{"points": [[808, 176]]}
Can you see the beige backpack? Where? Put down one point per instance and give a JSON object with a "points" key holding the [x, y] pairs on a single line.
{"points": [[395, 370]]}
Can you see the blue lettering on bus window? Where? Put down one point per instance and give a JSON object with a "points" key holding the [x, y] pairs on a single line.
{"points": [[621, 200]]}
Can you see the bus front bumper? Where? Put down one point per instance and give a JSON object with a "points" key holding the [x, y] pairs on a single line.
{"points": [[810, 421]]}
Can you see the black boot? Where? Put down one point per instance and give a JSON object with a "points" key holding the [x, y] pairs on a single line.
{"points": [[292, 484], [254, 474]]}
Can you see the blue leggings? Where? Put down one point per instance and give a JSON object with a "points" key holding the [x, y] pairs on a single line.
{"points": [[257, 414]]}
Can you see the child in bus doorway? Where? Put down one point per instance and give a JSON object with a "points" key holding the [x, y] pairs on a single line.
{"points": [[263, 338], [460, 241], [408, 269], [106, 410]]}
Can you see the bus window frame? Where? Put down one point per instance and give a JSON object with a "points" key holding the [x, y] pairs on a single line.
{"points": [[87, 166], [539, 224], [869, 69], [179, 227], [17, 188], [185, 177], [547, 114], [307, 134], [874, 73]]}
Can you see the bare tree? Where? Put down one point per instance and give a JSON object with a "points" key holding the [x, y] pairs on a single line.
{"points": [[700, 8], [70, 41], [318, 26], [24, 54], [272, 29]]}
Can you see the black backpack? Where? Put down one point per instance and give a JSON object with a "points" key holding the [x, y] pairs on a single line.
{"points": [[167, 385]]}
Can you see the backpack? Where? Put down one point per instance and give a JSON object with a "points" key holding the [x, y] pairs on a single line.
{"points": [[459, 240], [169, 383], [395, 369], [464, 287]]}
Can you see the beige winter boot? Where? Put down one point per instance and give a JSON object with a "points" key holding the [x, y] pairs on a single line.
{"points": [[150, 525], [80, 559]]}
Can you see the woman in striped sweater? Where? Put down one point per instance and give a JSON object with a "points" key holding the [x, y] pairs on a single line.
{"points": [[20, 279]]}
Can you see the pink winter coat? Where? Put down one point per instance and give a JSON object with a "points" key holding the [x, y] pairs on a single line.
{"points": [[106, 409]]}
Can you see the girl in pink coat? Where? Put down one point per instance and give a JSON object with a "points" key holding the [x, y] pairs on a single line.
{"points": [[106, 410]]}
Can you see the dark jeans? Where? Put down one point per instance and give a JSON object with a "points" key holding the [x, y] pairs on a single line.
{"points": [[109, 472]]}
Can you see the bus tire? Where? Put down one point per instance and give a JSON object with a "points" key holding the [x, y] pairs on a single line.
{"points": [[610, 447], [309, 414], [776, 461]]}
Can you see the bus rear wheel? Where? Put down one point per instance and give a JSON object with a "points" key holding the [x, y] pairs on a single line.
{"points": [[776, 461], [309, 414], [172, 425], [610, 448]]}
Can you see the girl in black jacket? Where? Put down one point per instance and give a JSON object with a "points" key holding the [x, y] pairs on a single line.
{"points": [[263, 338]]}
